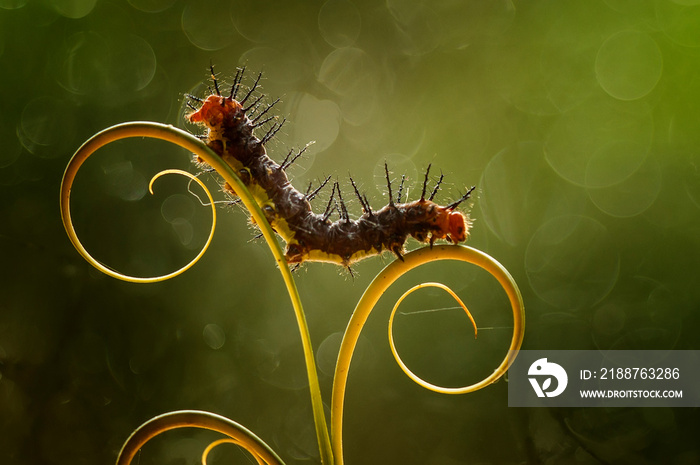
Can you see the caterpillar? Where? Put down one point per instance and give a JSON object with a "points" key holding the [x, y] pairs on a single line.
{"points": [[309, 236]]}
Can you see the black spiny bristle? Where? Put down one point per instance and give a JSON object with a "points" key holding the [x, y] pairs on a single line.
{"points": [[363, 201], [437, 187], [262, 113], [456, 203], [236, 82], [289, 161], [343, 210], [310, 195], [425, 183], [329, 206], [260, 123], [252, 89], [254, 105], [388, 184], [272, 131], [214, 80], [398, 195]]}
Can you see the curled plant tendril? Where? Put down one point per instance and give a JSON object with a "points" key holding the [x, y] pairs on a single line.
{"points": [[236, 433], [377, 288], [417, 379], [68, 179], [189, 142], [214, 444], [330, 444]]}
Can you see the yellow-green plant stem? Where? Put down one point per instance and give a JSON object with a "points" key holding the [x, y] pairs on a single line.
{"points": [[197, 419], [189, 142], [375, 290]]}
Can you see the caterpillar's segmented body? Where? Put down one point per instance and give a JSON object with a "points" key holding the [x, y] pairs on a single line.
{"points": [[311, 236]]}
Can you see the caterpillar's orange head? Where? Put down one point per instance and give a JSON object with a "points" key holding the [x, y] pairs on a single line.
{"points": [[214, 110], [457, 226], [452, 225]]}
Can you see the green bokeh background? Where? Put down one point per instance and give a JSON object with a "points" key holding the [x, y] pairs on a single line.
{"points": [[577, 121]]}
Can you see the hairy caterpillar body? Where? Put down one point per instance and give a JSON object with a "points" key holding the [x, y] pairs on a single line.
{"points": [[312, 236]]}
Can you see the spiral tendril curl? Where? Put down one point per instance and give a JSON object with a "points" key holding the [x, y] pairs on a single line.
{"points": [[202, 420], [191, 143], [407, 371], [235, 442], [378, 287]]}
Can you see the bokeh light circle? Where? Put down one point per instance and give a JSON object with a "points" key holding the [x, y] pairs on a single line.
{"points": [[214, 336], [327, 353], [519, 191], [151, 6], [12, 147], [46, 125], [111, 66], [351, 74], [74, 9], [268, 22], [124, 181], [614, 162], [629, 65], [580, 140], [206, 27], [691, 181], [679, 21], [608, 319], [316, 120], [339, 22], [418, 27], [571, 262], [177, 206], [279, 66], [344, 71], [633, 195], [566, 58], [12, 4]]}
